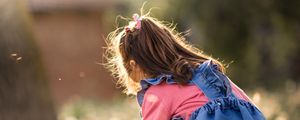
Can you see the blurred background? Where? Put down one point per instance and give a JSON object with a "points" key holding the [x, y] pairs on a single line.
{"points": [[51, 49]]}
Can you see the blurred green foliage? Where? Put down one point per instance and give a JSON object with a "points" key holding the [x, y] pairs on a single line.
{"points": [[260, 37]]}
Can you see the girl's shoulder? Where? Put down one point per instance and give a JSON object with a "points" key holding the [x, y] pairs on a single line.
{"points": [[174, 89], [175, 94]]}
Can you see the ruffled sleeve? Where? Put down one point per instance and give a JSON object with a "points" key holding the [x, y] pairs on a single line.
{"points": [[212, 82]]}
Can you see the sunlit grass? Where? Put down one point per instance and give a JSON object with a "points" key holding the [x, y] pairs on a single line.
{"points": [[79, 109], [278, 106]]}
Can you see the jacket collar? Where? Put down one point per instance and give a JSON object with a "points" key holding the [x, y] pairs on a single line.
{"points": [[145, 83]]}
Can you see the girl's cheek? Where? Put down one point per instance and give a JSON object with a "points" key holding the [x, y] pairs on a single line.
{"points": [[133, 77], [136, 75]]}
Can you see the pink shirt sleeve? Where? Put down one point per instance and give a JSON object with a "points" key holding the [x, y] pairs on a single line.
{"points": [[155, 108], [162, 102]]}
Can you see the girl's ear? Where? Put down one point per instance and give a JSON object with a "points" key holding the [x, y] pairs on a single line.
{"points": [[132, 64]]}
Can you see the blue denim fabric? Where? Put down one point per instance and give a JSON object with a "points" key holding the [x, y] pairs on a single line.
{"points": [[223, 104]]}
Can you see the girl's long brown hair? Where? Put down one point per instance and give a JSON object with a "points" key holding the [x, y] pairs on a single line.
{"points": [[157, 49]]}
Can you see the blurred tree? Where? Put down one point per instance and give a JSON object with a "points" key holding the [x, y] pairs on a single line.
{"points": [[261, 37], [24, 92]]}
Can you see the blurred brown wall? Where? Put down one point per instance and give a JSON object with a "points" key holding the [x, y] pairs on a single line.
{"points": [[71, 45]]}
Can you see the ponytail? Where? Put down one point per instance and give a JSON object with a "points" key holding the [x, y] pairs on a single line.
{"points": [[182, 70]]}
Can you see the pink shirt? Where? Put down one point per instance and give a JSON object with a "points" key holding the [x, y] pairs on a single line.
{"points": [[164, 101]]}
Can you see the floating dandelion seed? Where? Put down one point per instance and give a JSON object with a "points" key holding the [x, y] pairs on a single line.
{"points": [[19, 58], [13, 55], [82, 74]]}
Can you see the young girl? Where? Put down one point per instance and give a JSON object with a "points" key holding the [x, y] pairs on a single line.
{"points": [[155, 63]]}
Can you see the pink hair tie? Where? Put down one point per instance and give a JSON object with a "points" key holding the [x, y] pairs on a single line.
{"points": [[136, 23], [137, 19]]}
